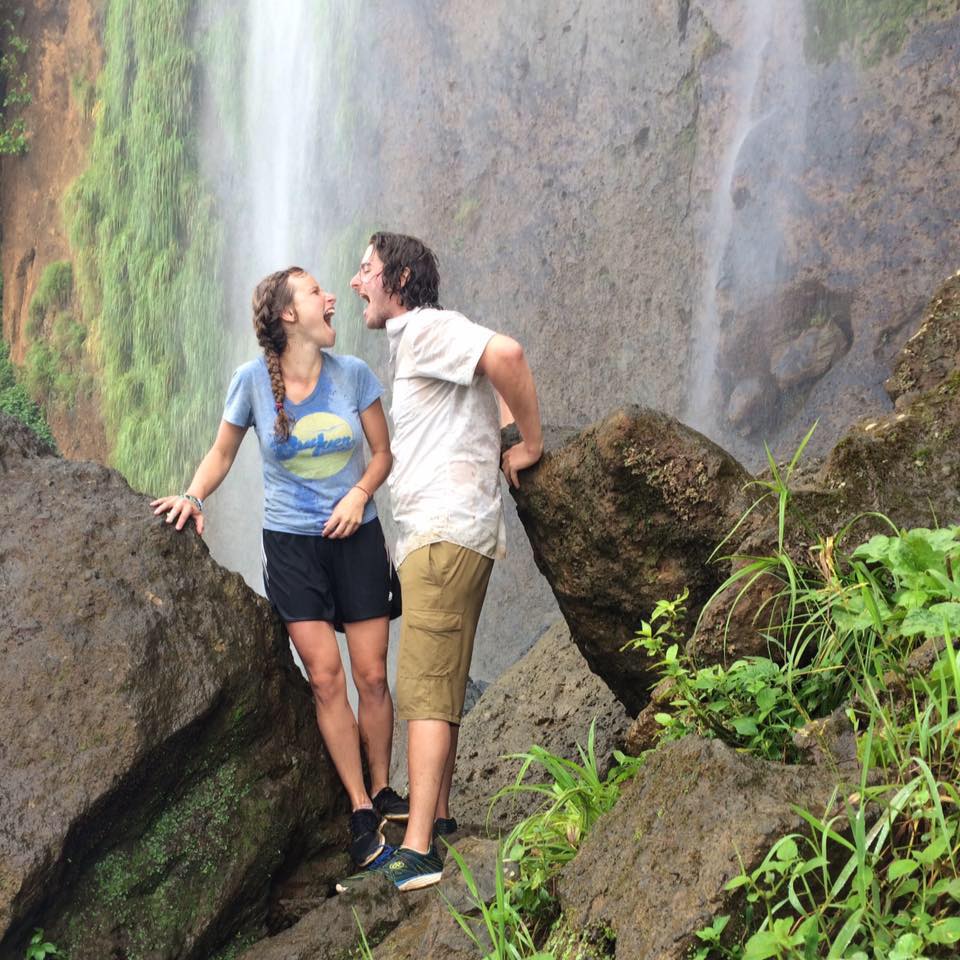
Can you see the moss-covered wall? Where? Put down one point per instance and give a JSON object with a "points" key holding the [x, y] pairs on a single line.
{"points": [[877, 28], [147, 244]]}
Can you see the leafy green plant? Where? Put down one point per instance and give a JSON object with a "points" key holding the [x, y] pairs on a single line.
{"points": [[147, 245], [15, 400], [39, 949], [507, 935], [877, 877], [909, 585], [574, 797], [14, 92], [671, 614]]}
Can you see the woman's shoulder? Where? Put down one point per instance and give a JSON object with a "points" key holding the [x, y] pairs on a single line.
{"points": [[250, 369]]}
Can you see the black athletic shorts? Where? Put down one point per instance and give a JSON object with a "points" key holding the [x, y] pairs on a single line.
{"points": [[337, 580]]}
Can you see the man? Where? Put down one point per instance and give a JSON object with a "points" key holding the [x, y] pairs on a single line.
{"points": [[445, 494]]}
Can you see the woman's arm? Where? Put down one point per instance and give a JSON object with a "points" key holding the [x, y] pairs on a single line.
{"points": [[213, 468], [348, 513]]}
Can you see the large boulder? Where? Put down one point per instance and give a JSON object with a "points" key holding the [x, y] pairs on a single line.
{"points": [[652, 872], [159, 757], [627, 513], [630, 511]]}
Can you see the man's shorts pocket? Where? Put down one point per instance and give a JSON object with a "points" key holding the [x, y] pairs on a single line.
{"points": [[432, 643]]}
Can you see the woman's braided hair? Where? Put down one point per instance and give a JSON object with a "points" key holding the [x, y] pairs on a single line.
{"points": [[272, 296]]}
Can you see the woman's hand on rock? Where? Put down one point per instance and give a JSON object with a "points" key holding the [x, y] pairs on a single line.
{"points": [[179, 510]]}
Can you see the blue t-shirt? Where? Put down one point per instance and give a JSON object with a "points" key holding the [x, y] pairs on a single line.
{"points": [[304, 477]]}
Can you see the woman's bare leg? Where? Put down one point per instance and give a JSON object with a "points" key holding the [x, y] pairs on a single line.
{"points": [[316, 644], [367, 643]]}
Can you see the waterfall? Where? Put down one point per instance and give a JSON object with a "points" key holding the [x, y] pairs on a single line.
{"points": [[282, 192], [762, 143]]}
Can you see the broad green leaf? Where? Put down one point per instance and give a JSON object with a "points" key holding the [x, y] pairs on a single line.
{"points": [[766, 699], [900, 868], [745, 726], [787, 849], [761, 946], [945, 931], [906, 947], [876, 549]]}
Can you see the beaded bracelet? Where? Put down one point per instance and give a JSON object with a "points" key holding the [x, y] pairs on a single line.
{"points": [[196, 501]]}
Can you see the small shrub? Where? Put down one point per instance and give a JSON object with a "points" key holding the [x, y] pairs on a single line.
{"points": [[13, 83], [15, 400], [39, 949]]}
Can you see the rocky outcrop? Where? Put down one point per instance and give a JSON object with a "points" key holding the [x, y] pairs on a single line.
{"points": [[652, 872], [159, 757], [630, 511], [416, 924], [548, 698], [623, 515]]}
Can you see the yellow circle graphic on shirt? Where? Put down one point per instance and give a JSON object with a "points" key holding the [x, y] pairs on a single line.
{"points": [[320, 445]]}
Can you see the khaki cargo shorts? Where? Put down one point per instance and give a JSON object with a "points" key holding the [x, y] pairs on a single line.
{"points": [[443, 587]]}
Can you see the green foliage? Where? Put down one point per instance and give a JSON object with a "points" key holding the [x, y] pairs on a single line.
{"points": [[507, 935], [14, 93], [573, 798], [15, 400], [877, 878], [148, 246], [909, 586], [53, 293], [54, 367], [877, 27], [39, 949], [671, 613]]}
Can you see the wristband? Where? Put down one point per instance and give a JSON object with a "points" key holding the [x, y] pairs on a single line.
{"points": [[366, 491], [196, 501]]}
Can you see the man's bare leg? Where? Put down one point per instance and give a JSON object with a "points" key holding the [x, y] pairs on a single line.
{"points": [[443, 800], [428, 754]]}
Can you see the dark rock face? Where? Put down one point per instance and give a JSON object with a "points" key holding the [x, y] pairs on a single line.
{"points": [[624, 515], [159, 757], [628, 512], [548, 698], [652, 871], [416, 924]]}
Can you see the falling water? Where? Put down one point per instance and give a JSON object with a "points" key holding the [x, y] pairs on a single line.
{"points": [[282, 199], [765, 107]]}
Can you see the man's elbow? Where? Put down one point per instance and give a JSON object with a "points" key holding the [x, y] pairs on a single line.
{"points": [[503, 358]]}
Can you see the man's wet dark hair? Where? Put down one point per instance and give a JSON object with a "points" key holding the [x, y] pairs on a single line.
{"points": [[400, 253]]}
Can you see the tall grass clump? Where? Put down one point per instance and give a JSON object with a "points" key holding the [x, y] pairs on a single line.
{"points": [[876, 875], [572, 797], [147, 243], [15, 400]]}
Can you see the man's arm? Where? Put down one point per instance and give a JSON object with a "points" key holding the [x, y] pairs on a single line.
{"points": [[504, 363]]}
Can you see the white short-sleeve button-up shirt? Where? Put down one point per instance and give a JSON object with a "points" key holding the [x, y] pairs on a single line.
{"points": [[445, 482]]}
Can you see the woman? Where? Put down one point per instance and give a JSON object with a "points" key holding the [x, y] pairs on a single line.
{"points": [[325, 561]]}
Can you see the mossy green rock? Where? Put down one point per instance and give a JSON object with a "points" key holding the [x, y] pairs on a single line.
{"points": [[159, 758]]}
